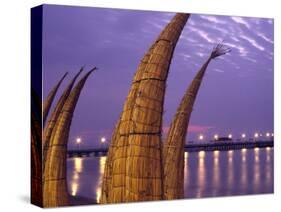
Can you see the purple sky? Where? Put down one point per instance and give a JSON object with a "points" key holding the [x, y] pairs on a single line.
{"points": [[236, 95]]}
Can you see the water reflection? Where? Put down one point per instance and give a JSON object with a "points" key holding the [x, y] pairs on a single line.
{"points": [[230, 156], [101, 171], [268, 155], [74, 188], [244, 153], [244, 170], [257, 154], [269, 167], [230, 173], [78, 164], [78, 168], [214, 173], [201, 173], [256, 170], [186, 173]]}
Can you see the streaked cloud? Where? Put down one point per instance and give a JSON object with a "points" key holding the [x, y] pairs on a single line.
{"points": [[242, 21], [218, 70], [92, 36], [203, 34], [253, 42], [213, 19], [263, 36]]}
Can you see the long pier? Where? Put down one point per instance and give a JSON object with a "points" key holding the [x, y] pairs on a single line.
{"points": [[192, 147], [224, 146]]}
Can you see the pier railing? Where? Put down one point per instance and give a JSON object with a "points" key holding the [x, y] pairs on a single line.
{"points": [[190, 147]]}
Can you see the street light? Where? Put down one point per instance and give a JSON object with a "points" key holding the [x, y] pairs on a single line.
{"points": [[256, 135], [268, 134], [201, 137], [103, 140], [216, 136], [78, 142], [243, 135], [230, 136]]}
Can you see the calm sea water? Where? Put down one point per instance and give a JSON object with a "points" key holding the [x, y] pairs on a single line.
{"points": [[207, 174]]}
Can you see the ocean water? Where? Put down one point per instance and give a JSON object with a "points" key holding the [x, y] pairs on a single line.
{"points": [[207, 174]]}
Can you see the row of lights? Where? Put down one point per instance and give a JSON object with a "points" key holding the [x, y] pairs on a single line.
{"points": [[200, 137], [79, 140], [243, 135]]}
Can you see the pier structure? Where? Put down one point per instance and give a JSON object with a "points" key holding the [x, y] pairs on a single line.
{"points": [[193, 147]]}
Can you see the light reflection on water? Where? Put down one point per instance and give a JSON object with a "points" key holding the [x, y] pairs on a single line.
{"points": [[101, 171], [230, 171], [216, 175], [244, 170], [207, 174], [200, 173], [78, 168]]}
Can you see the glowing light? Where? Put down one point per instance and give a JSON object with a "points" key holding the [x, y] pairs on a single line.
{"points": [[230, 152], [201, 154], [216, 157], [185, 155], [216, 136], [78, 164], [76, 176], [267, 134], [201, 137], [268, 148], [272, 134], [103, 140], [244, 151], [78, 140], [243, 135], [216, 161], [74, 188], [98, 194], [216, 153], [230, 136], [256, 135], [102, 164]]}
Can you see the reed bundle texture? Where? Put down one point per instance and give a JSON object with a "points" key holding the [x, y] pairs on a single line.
{"points": [[49, 100], [55, 191], [174, 144], [57, 109], [133, 170]]}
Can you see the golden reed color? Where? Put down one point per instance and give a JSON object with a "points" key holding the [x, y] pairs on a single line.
{"points": [[133, 171]]}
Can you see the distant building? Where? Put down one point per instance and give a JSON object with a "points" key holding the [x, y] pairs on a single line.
{"points": [[223, 139]]}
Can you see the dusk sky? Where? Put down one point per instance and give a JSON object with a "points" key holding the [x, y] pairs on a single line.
{"points": [[236, 95]]}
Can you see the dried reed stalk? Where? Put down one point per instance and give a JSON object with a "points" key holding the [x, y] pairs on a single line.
{"points": [[115, 144], [54, 173], [49, 100], [174, 145], [55, 114], [136, 143]]}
